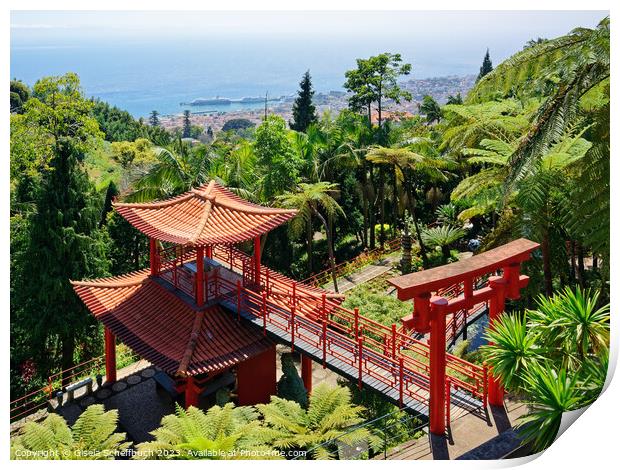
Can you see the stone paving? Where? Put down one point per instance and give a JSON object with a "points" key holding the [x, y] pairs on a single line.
{"points": [[365, 274], [470, 437]]}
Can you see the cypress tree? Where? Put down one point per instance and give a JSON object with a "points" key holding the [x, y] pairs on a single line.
{"points": [[304, 112], [487, 66], [187, 126], [154, 118]]}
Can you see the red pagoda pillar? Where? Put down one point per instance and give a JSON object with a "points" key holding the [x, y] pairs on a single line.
{"points": [[496, 307], [200, 294], [438, 366], [209, 251], [153, 257], [191, 393], [306, 372], [110, 355], [257, 260]]}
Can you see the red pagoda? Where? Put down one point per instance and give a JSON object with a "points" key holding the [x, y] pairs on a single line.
{"points": [[170, 314]]}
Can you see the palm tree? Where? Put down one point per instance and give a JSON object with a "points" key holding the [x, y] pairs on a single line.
{"points": [[310, 200], [226, 432], [431, 109], [405, 163], [237, 170], [345, 142], [91, 437], [443, 236], [330, 413], [179, 169]]}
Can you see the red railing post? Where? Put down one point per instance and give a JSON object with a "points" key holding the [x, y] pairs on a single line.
{"points": [[267, 280], [360, 343], [356, 322], [264, 309], [292, 329], [438, 366], [238, 300], [393, 340], [324, 327], [199, 279], [294, 299], [174, 273], [485, 392], [207, 286], [257, 260], [401, 379], [324, 341], [454, 319], [448, 403]]}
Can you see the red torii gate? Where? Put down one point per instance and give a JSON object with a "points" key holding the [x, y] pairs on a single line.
{"points": [[429, 312]]}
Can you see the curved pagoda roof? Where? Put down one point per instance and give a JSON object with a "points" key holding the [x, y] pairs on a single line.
{"points": [[165, 330], [207, 215]]}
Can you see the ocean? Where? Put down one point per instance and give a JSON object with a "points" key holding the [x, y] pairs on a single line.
{"points": [[242, 55], [144, 76]]}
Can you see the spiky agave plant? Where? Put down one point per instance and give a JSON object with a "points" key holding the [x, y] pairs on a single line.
{"points": [[91, 437], [318, 429], [226, 432], [551, 394], [512, 350], [574, 322]]}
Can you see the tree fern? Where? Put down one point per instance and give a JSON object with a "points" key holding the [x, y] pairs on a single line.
{"points": [[221, 432], [329, 415], [92, 437]]}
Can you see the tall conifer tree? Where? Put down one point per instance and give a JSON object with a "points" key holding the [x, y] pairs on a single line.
{"points": [[154, 118], [187, 125], [487, 66], [304, 112]]}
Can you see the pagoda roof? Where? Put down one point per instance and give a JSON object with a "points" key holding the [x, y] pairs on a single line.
{"points": [[165, 330], [207, 215]]}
